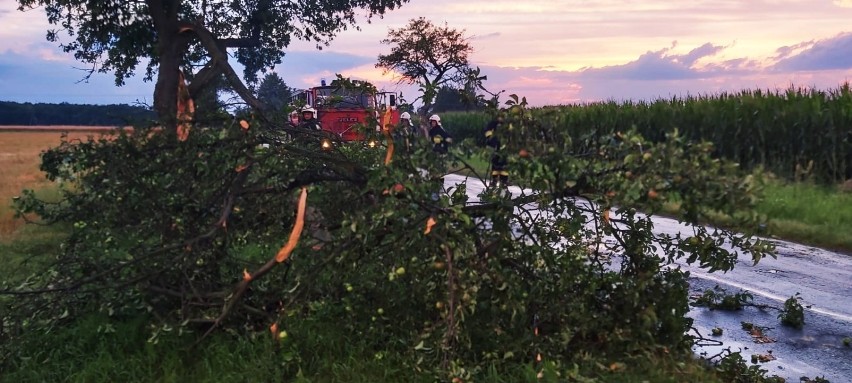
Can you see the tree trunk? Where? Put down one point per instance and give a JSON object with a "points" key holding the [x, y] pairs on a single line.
{"points": [[165, 92], [164, 16], [174, 37]]}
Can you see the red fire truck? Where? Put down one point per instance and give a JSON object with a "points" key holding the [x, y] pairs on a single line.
{"points": [[345, 110]]}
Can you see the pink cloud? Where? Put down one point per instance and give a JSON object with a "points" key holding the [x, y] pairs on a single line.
{"points": [[574, 50]]}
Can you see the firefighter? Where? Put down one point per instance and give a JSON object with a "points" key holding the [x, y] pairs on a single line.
{"points": [[309, 120], [289, 126], [406, 127], [293, 122], [499, 162], [405, 133], [441, 140]]}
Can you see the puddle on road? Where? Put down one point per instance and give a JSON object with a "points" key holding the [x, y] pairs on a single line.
{"points": [[790, 354]]}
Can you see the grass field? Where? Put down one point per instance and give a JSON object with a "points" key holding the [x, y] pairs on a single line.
{"points": [[55, 128], [811, 214], [20, 156]]}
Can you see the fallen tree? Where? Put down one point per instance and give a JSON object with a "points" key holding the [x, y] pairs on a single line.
{"points": [[199, 233]]}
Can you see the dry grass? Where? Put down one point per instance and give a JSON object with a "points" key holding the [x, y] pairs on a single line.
{"points": [[56, 128], [20, 157]]}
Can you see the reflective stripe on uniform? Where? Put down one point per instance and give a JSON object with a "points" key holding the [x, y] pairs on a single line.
{"points": [[437, 139], [489, 133]]}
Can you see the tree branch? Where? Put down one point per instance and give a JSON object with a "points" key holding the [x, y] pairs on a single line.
{"points": [[219, 59]]}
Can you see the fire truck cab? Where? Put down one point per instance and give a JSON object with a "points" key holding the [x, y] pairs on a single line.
{"points": [[346, 112]]}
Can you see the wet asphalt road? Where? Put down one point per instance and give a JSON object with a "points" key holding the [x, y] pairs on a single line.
{"points": [[822, 277]]}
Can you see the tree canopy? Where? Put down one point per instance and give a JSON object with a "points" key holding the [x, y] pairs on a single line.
{"points": [[194, 36], [451, 99], [276, 95], [429, 55]]}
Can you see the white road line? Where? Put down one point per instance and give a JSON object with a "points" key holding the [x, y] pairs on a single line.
{"points": [[835, 315]]}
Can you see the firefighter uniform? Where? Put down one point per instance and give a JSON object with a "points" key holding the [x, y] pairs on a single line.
{"points": [[312, 125], [405, 134], [441, 140], [499, 162], [309, 119], [293, 121]]}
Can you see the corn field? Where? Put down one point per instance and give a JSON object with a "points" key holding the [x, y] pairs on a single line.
{"points": [[796, 134]]}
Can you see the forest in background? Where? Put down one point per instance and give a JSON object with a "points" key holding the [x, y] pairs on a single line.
{"points": [[15, 113]]}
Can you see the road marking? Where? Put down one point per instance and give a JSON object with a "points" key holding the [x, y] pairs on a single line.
{"points": [[835, 315]]}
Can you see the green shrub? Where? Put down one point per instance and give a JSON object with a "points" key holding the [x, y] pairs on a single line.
{"points": [[793, 314], [718, 299]]}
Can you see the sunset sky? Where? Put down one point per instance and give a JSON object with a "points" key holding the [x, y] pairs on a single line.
{"points": [[552, 52]]}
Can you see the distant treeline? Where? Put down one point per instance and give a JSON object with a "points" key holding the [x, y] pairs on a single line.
{"points": [[14, 113]]}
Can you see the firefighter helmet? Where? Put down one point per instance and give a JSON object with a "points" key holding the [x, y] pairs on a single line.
{"points": [[405, 116], [435, 118], [308, 108]]}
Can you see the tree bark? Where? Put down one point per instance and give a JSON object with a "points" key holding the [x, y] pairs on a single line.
{"points": [[164, 16]]}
